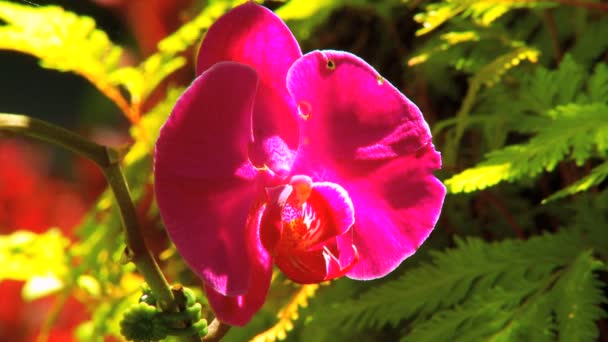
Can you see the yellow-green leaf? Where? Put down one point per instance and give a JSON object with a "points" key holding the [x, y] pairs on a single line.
{"points": [[25, 255]]}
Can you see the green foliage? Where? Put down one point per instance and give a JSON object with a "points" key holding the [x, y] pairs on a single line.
{"points": [[498, 291], [304, 16], [67, 42], [568, 123], [576, 296], [39, 259], [60, 39], [481, 12], [141, 80]]}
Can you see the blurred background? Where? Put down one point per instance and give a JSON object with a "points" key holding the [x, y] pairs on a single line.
{"points": [[467, 64]]}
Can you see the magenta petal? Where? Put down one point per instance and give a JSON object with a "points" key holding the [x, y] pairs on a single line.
{"points": [[238, 310], [253, 35], [351, 111], [397, 206], [338, 210], [359, 131], [204, 180], [338, 267]]}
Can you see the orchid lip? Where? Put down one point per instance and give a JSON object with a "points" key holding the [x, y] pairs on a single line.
{"points": [[302, 223]]}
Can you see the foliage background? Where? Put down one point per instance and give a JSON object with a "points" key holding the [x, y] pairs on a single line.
{"points": [[516, 93]]}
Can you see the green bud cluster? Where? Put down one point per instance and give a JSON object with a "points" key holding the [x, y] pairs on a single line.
{"points": [[145, 321]]}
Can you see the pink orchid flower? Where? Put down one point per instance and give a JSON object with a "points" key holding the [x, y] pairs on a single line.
{"points": [[311, 162]]}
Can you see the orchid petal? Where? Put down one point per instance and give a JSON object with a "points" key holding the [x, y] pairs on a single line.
{"points": [[359, 131], [238, 310], [397, 206], [204, 181], [253, 35], [337, 208], [350, 112]]}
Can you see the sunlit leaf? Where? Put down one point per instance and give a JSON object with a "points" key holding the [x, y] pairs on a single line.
{"points": [[288, 315], [150, 124], [482, 12], [63, 41], [595, 177], [576, 131], [24, 255], [41, 286]]}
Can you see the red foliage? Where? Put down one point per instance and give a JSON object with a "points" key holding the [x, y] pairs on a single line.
{"points": [[33, 200], [150, 20]]}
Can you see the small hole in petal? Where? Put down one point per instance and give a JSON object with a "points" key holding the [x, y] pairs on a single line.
{"points": [[380, 80], [331, 65], [304, 109]]}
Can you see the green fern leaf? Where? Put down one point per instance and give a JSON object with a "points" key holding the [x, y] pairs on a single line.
{"points": [[577, 296], [595, 177], [60, 39], [495, 315], [525, 311], [598, 84], [472, 267], [511, 290], [481, 12], [591, 41], [546, 89], [574, 130], [487, 75]]}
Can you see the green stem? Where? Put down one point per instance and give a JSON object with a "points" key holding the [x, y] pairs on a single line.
{"points": [[108, 159], [140, 254]]}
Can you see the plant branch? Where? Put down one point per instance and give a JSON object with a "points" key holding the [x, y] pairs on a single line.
{"points": [[553, 35], [216, 330], [38, 129], [108, 159]]}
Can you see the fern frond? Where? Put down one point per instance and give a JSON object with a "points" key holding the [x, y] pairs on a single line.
{"points": [[287, 315], [595, 177], [60, 39], [573, 130], [526, 310], [487, 75], [495, 315], [481, 12], [597, 87], [63, 41], [446, 41], [546, 89], [576, 297], [591, 42], [304, 15], [590, 217], [511, 290], [472, 267]]}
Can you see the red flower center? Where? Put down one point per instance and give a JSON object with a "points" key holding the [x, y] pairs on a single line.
{"points": [[300, 229]]}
